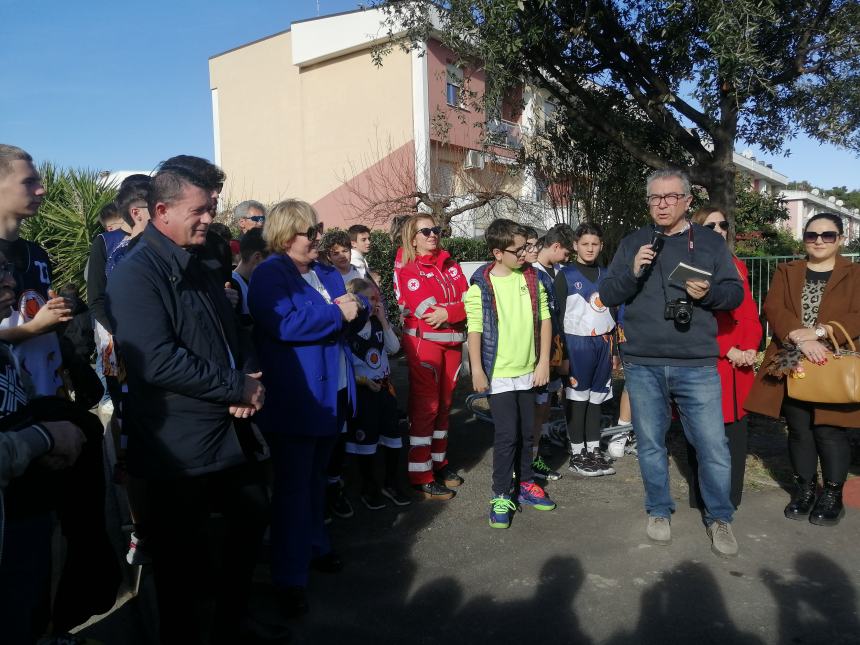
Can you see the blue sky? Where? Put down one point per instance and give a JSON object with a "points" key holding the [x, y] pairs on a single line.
{"points": [[121, 86]]}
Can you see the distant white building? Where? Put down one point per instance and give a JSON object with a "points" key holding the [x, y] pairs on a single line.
{"points": [[116, 178], [803, 204]]}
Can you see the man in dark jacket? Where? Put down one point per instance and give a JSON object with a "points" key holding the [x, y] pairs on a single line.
{"points": [[187, 398], [670, 353]]}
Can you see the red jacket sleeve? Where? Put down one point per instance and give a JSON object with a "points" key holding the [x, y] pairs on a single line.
{"points": [[457, 310]]}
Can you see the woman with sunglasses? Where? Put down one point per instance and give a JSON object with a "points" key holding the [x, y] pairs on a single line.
{"points": [[738, 338], [432, 287], [302, 317], [803, 296]]}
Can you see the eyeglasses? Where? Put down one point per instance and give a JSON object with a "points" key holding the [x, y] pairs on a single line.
{"points": [[828, 237], [7, 270], [724, 225], [520, 252], [531, 248], [257, 219], [434, 230], [313, 232], [671, 199]]}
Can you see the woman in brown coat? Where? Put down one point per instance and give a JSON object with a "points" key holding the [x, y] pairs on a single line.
{"points": [[803, 296]]}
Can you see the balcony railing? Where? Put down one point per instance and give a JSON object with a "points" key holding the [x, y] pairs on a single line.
{"points": [[504, 134]]}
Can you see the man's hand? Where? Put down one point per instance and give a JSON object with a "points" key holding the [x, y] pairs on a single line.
{"points": [[54, 312], [479, 381], [68, 443], [644, 257], [242, 410], [231, 293], [436, 318], [254, 392], [698, 289], [541, 374]]}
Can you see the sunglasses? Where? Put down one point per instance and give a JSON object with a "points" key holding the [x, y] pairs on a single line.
{"points": [[257, 219], [313, 232], [828, 237], [426, 232], [724, 225]]}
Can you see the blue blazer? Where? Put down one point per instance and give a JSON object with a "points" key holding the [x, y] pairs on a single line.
{"points": [[299, 340]]}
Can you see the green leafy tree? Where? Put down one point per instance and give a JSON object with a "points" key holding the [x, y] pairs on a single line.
{"points": [[702, 74], [68, 219]]}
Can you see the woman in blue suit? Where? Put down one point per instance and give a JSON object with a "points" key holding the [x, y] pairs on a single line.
{"points": [[302, 315]]}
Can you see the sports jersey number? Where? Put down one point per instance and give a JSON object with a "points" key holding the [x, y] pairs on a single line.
{"points": [[43, 272]]}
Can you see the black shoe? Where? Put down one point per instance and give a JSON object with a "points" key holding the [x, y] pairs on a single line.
{"points": [[435, 490], [373, 500], [802, 499], [583, 466], [599, 460], [828, 510], [328, 563], [396, 495], [448, 477], [294, 601], [338, 504]]}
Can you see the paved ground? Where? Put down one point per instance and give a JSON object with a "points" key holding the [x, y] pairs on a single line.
{"points": [[585, 573]]}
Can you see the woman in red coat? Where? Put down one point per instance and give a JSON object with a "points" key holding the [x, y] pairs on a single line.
{"points": [[431, 286], [738, 336]]}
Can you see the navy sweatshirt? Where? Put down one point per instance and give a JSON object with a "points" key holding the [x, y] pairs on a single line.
{"points": [[652, 340]]}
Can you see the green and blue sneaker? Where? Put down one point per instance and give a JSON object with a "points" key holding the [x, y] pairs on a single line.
{"points": [[543, 471], [501, 508], [533, 495]]}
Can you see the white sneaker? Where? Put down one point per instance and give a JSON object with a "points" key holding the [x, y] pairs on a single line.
{"points": [[616, 447]]}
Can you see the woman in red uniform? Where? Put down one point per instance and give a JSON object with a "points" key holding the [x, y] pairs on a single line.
{"points": [[738, 337], [432, 286]]}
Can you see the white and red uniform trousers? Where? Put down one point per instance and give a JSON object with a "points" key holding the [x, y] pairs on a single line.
{"points": [[434, 356]]}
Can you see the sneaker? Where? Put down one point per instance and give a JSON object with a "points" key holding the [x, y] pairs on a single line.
{"points": [[373, 499], [601, 462], [630, 448], [448, 477], [434, 490], [396, 495], [723, 541], [338, 504], [659, 529], [582, 465], [543, 471], [501, 508], [533, 495], [557, 434], [137, 555]]}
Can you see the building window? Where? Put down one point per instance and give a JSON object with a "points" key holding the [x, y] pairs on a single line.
{"points": [[454, 86]]}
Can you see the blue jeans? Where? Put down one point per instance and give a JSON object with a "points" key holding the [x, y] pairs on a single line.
{"points": [[697, 393]]}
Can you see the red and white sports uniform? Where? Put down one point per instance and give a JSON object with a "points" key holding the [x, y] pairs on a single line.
{"points": [[433, 355]]}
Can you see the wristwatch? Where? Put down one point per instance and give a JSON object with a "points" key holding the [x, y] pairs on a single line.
{"points": [[820, 332]]}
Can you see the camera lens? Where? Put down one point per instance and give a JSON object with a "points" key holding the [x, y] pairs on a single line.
{"points": [[682, 316]]}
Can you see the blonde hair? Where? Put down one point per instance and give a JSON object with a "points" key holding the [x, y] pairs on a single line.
{"points": [[410, 230], [357, 285], [704, 212], [285, 220]]}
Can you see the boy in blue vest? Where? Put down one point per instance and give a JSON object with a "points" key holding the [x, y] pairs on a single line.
{"points": [[509, 344]]}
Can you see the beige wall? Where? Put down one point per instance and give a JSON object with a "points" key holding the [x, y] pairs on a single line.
{"points": [[286, 131]]}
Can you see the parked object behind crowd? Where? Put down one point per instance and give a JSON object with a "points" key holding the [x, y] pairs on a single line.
{"points": [[803, 296]]}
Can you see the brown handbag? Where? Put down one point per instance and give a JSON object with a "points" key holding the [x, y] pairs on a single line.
{"points": [[835, 382]]}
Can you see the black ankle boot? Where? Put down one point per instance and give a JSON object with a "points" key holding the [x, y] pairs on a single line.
{"points": [[802, 499], [828, 509]]}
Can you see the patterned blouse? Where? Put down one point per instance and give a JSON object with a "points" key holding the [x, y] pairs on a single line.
{"points": [[810, 297]]}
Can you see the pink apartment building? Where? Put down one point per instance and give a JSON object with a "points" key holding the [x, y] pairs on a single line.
{"points": [[305, 113]]}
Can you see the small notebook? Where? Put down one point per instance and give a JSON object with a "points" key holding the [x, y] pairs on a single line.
{"points": [[683, 272]]}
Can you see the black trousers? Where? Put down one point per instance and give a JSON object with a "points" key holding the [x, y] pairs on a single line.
{"points": [[513, 417], [808, 442], [201, 589], [736, 433]]}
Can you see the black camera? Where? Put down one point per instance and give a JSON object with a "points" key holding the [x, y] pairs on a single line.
{"points": [[680, 310]]}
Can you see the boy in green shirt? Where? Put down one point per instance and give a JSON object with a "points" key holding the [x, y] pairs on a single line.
{"points": [[509, 343]]}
